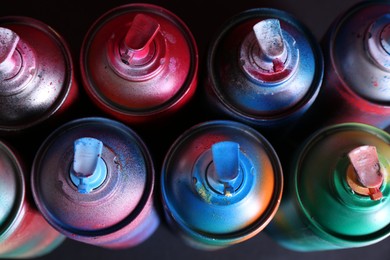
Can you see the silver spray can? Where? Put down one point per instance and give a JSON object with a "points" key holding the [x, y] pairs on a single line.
{"points": [[357, 74], [93, 181], [36, 74]]}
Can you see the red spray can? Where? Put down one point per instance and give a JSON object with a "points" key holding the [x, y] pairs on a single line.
{"points": [[36, 74], [24, 232], [139, 62]]}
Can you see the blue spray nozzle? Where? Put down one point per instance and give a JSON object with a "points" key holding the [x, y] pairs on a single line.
{"points": [[226, 160], [88, 170]]}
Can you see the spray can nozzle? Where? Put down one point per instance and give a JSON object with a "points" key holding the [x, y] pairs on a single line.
{"points": [[270, 39], [10, 60], [138, 40], [378, 41], [271, 43], [224, 174], [88, 170], [366, 177]]}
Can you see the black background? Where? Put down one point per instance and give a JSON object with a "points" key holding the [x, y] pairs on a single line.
{"points": [[72, 19]]}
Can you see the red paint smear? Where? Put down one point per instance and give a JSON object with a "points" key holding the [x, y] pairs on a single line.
{"points": [[278, 65], [270, 76]]}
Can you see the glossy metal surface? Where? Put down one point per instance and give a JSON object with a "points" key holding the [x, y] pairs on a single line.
{"points": [[73, 18], [42, 84], [24, 233], [248, 83], [212, 207], [356, 85], [321, 210], [117, 213], [139, 62]]}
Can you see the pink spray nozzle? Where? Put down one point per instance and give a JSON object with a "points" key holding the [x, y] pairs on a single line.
{"points": [[365, 162], [139, 38]]}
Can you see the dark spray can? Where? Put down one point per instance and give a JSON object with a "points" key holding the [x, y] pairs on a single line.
{"points": [[337, 195], [93, 181], [36, 74], [139, 62], [264, 68], [221, 184], [357, 75], [24, 233]]}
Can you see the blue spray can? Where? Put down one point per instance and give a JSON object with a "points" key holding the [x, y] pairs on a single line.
{"points": [[264, 68], [221, 184]]}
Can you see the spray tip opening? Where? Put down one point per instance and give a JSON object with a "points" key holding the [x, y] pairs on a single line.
{"points": [[366, 177]]}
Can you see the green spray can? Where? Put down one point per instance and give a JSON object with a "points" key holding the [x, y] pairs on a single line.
{"points": [[337, 193]]}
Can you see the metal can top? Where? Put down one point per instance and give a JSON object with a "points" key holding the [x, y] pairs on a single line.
{"points": [[92, 206], [138, 60], [36, 72], [322, 180], [210, 201], [265, 65], [360, 50], [11, 188]]}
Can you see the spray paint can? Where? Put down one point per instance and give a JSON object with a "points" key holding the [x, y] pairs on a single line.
{"points": [[139, 62], [93, 181], [264, 68], [357, 74], [338, 191], [221, 184], [24, 233], [36, 74]]}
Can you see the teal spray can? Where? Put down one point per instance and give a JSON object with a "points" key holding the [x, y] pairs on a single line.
{"points": [[337, 194]]}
